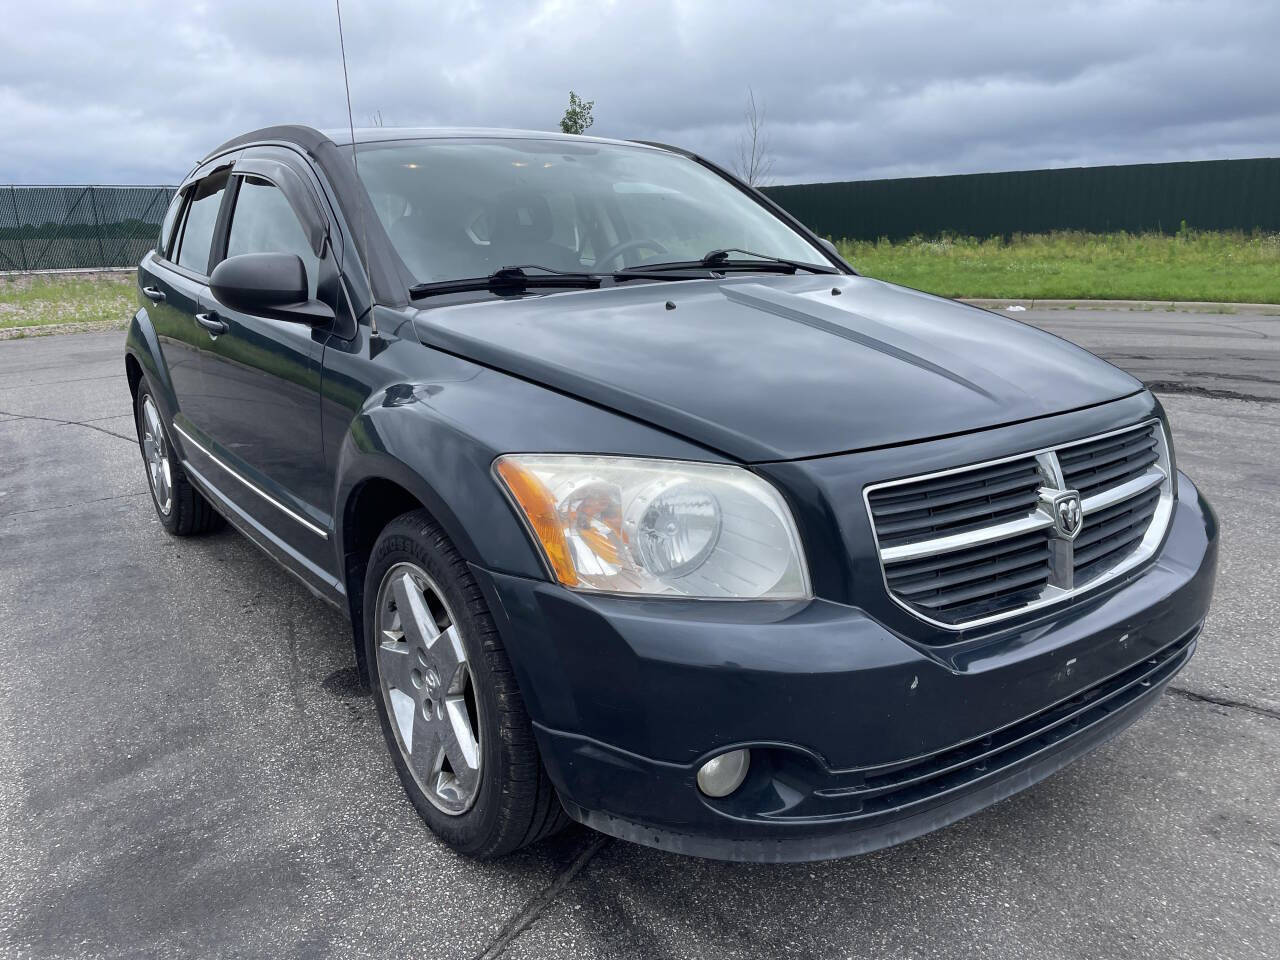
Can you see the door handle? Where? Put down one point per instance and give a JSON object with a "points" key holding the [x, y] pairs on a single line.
{"points": [[154, 294], [211, 323]]}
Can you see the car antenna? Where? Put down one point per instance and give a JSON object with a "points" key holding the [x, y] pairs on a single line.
{"points": [[351, 126]]}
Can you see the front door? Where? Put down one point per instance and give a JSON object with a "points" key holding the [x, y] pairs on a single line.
{"points": [[262, 379]]}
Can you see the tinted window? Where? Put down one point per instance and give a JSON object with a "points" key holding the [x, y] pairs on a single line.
{"points": [[463, 208], [263, 222], [165, 239], [202, 215]]}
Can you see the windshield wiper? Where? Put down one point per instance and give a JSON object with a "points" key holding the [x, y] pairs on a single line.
{"points": [[720, 257], [719, 260], [508, 280]]}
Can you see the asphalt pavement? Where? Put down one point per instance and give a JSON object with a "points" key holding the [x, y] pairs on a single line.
{"points": [[188, 767]]}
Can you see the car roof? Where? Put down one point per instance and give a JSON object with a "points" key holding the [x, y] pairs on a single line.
{"points": [[378, 134], [309, 138]]}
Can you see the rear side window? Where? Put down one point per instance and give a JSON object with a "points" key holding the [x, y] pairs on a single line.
{"points": [[202, 216], [263, 222], [164, 243]]}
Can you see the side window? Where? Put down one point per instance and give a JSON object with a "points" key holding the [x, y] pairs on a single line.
{"points": [[164, 243], [263, 222], [202, 215]]}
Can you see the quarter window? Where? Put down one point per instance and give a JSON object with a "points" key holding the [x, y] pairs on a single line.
{"points": [[263, 222], [164, 243], [202, 216]]}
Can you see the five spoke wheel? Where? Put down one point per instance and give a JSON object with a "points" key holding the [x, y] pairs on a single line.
{"points": [[427, 688], [155, 450]]}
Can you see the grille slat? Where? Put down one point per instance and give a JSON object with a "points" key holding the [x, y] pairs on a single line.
{"points": [[1092, 466], [910, 505], [1014, 504], [1112, 533], [1114, 474], [956, 502], [991, 588], [1035, 553], [1101, 450], [1122, 516], [956, 584], [970, 478], [961, 558]]}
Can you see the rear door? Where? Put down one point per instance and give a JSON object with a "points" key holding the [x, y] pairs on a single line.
{"points": [[173, 282], [262, 375]]}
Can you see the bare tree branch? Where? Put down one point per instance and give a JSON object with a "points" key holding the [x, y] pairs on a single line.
{"points": [[754, 162]]}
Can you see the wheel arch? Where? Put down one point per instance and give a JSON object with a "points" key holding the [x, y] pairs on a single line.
{"points": [[377, 489], [143, 357], [372, 503], [133, 371]]}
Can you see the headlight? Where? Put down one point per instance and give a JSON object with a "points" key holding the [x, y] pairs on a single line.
{"points": [[623, 525]]}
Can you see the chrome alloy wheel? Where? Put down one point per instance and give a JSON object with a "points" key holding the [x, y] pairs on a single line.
{"points": [[155, 450], [427, 688]]}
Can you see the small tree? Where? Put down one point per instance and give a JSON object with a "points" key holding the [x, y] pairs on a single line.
{"points": [[754, 162], [577, 118]]}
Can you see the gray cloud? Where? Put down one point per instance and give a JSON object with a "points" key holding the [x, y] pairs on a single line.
{"points": [[852, 90]]}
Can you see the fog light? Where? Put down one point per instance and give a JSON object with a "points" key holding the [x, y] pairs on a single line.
{"points": [[722, 775]]}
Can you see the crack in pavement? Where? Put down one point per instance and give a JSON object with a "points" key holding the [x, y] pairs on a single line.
{"points": [[1213, 393], [532, 910], [78, 503], [70, 423], [1195, 697], [59, 381]]}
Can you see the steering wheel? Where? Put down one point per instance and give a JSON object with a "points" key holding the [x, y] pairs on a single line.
{"points": [[613, 253]]}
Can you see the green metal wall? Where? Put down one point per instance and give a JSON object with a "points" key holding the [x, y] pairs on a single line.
{"points": [[58, 228], [78, 227], [1208, 195]]}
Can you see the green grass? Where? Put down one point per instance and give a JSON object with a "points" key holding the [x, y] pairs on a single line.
{"points": [[1194, 265], [54, 298]]}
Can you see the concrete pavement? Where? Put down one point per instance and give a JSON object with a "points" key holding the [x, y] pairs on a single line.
{"points": [[187, 767]]}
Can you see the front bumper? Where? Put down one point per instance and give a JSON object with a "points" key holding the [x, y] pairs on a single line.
{"points": [[860, 737]]}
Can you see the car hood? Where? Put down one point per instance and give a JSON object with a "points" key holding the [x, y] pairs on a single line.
{"points": [[780, 368]]}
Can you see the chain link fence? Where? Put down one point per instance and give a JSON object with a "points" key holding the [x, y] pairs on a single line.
{"points": [[105, 227], [85, 227]]}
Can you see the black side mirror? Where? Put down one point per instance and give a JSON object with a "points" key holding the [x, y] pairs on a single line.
{"points": [[267, 285]]}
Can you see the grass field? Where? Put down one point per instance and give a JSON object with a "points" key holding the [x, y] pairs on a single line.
{"points": [[47, 300], [1194, 265]]}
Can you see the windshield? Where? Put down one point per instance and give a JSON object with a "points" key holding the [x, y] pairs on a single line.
{"points": [[457, 209]]}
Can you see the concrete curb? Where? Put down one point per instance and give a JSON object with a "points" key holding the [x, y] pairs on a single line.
{"points": [[1184, 306], [44, 273], [53, 329]]}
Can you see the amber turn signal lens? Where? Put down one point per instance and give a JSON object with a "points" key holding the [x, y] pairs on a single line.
{"points": [[539, 507]]}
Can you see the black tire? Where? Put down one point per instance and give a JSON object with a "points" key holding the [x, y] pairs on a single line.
{"points": [[188, 513], [515, 803]]}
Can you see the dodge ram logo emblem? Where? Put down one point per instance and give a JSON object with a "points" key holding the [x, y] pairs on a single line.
{"points": [[1068, 518]]}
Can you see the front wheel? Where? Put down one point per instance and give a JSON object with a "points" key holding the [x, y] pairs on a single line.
{"points": [[451, 713], [182, 509]]}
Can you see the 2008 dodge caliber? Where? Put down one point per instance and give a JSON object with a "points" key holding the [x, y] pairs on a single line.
{"points": [[647, 510]]}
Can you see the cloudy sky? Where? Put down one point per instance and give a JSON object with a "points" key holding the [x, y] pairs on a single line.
{"points": [[135, 93]]}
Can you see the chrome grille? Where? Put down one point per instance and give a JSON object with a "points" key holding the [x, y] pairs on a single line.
{"points": [[978, 543], [1097, 464], [958, 502]]}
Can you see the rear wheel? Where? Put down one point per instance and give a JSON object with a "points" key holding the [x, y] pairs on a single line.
{"points": [[451, 713], [181, 507]]}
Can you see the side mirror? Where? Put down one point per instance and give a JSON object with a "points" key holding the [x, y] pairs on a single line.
{"points": [[267, 285], [831, 247]]}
